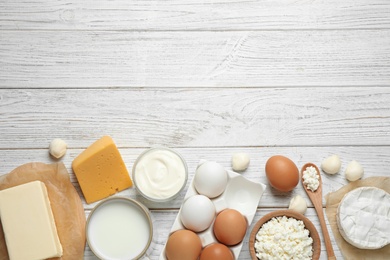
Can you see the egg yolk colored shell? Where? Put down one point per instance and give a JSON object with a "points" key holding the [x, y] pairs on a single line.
{"points": [[216, 251], [183, 245], [230, 227], [282, 173]]}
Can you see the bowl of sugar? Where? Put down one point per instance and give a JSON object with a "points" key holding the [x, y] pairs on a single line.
{"points": [[119, 228]]}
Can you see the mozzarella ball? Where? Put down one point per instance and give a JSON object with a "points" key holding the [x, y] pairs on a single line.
{"points": [[298, 204], [57, 148], [354, 171], [331, 164], [240, 162]]}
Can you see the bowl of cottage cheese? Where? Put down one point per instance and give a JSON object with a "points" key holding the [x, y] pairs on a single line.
{"points": [[284, 234]]}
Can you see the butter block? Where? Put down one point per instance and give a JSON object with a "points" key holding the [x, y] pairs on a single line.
{"points": [[28, 222], [100, 170]]}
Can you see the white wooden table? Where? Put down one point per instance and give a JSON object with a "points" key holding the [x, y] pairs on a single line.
{"points": [[305, 79]]}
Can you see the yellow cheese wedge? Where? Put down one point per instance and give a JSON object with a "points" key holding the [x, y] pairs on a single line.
{"points": [[28, 222], [100, 170]]}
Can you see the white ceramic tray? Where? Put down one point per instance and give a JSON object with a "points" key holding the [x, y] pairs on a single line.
{"points": [[240, 194]]}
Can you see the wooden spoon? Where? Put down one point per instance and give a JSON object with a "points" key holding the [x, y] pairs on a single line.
{"points": [[316, 199]]}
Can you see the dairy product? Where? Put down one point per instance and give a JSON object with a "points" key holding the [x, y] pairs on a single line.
{"points": [[283, 238], [100, 170], [240, 161], [363, 218], [57, 148], [28, 222], [119, 229], [331, 164], [159, 174], [311, 178], [298, 204], [354, 171]]}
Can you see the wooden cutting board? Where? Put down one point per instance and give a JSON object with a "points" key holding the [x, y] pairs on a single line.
{"points": [[65, 203]]}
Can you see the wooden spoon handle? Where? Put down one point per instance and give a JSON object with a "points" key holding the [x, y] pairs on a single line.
{"points": [[328, 243]]}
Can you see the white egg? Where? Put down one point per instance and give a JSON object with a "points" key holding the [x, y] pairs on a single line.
{"points": [[197, 213], [210, 179]]}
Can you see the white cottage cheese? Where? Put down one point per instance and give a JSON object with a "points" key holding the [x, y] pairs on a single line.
{"points": [[311, 178], [283, 238]]}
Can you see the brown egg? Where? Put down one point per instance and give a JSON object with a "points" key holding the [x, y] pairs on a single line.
{"points": [[230, 227], [216, 251], [282, 173], [183, 245]]}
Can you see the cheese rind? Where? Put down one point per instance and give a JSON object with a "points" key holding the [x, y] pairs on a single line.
{"points": [[28, 222], [363, 218], [100, 170]]}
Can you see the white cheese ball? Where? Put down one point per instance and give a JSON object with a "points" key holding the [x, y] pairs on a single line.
{"points": [[240, 162], [354, 171], [298, 204], [57, 148], [331, 165]]}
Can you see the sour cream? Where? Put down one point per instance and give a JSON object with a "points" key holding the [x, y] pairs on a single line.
{"points": [[159, 174], [119, 229]]}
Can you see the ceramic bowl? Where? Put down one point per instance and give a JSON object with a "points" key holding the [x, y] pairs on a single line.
{"points": [[288, 213]]}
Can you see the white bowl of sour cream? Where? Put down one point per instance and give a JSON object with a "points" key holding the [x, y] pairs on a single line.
{"points": [[159, 174], [119, 228]]}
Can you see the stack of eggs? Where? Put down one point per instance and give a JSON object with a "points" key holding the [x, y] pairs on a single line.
{"points": [[210, 225]]}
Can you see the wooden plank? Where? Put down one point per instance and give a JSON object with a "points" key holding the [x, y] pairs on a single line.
{"points": [[194, 15], [188, 117], [89, 59], [375, 160], [164, 220]]}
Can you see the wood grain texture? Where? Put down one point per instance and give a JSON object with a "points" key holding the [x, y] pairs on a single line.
{"points": [[194, 15], [189, 117], [304, 79], [316, 198], [165, 219], [88, 59], [375, 161]]}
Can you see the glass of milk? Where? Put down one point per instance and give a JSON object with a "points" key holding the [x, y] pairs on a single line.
{"points": [[119, 228]]}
